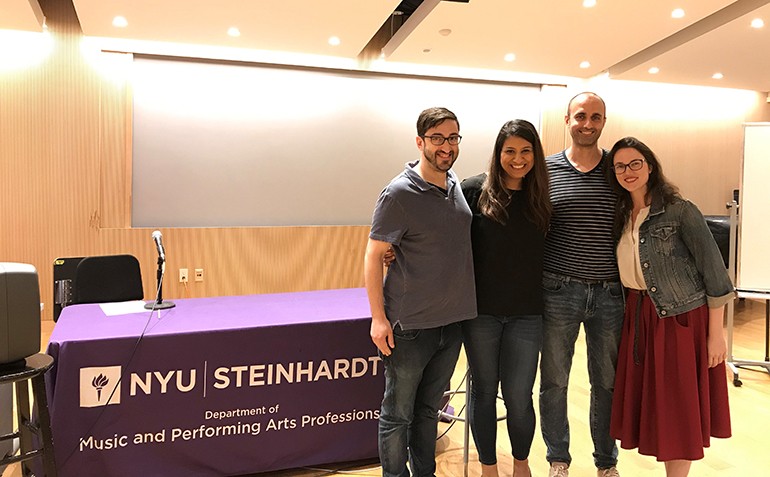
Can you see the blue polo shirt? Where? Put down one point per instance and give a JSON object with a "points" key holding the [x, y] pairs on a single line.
{"points": [[431, 283]]}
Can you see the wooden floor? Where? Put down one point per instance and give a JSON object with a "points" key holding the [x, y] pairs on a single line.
{"points": [[746, 453]]}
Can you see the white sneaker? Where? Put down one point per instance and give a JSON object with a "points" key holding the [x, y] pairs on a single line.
{"points": [[559, 469]]}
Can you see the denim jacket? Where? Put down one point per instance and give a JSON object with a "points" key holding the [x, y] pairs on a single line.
{"points": [[681, 263]]}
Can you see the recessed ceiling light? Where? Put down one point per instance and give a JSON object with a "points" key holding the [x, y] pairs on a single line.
{"points": [[585, 64], [119, 22], [677, 13], [334, 40], [589, 3], [717, 76], [757, 23], [445, 32], [234, 31], [654, 70], [509, 57]]}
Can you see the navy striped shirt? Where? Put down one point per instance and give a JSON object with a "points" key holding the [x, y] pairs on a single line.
{"points": [[579, 243]]}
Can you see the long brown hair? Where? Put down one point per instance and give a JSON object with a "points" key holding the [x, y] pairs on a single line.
{"points": [[659, 189], [495, 196]]}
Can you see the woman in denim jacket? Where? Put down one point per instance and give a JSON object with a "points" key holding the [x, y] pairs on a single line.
{"points": [[670, 385]]}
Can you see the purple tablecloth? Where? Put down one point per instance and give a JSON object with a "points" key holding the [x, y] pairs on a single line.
{"points": [[216, 387]]}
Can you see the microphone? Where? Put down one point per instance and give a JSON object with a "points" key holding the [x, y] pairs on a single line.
{"points": [[159, 304], [158, 238]]}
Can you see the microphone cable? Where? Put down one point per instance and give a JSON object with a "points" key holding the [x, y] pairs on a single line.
{"points": [[123, 372]]}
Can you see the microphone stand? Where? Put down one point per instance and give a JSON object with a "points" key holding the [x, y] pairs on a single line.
{"points": [[160, 304]]}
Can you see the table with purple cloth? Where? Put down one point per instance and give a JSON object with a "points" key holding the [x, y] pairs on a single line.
{"points": [[216, 386]]}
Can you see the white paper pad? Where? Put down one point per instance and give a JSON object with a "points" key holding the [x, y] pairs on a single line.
{"points": [[123, 308]]}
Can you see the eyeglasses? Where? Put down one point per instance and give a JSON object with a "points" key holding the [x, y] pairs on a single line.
{"points": [[438, 140], [634, 165]]}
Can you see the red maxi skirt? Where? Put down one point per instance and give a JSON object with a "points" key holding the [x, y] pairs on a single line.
{"points": [[667, 403]]}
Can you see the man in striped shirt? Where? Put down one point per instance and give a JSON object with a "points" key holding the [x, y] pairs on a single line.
{"points": [[581, 286]]}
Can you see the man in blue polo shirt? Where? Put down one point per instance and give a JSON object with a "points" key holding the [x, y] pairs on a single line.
{"points": [[423, 216]]}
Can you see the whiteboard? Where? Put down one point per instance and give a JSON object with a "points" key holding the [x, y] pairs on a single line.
{"points": [[229, 144], [753, 270]]}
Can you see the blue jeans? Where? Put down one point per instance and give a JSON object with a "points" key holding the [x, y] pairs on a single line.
{"points": [[502, 351], [598, 305], [416, 375]]}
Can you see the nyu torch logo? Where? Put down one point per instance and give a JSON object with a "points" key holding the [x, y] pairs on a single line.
{"points": [[98, 383], [97, 386]]}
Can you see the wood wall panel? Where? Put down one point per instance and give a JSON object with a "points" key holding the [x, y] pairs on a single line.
{"points": [[65, 176], [239, 261], [553, 133], [115, 144], [762, 113]]}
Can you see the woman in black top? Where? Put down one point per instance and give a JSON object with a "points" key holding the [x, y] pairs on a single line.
{"points": [[511, 212]]}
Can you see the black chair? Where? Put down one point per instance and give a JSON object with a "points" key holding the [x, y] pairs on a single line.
{"points": [[719, 225], [29, 431], [98, 279]]}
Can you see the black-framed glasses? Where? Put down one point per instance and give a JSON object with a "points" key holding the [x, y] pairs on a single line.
{"points": [[634, 165], [438, 139]]}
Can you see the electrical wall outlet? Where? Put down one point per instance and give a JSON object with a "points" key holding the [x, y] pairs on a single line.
{"points": [[183, 275], [198, 274]]}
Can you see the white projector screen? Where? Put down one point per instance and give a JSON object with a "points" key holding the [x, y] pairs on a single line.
{"points": [[225, 145], [753, 273]]}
